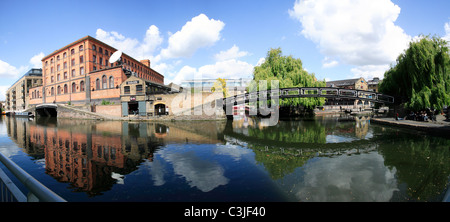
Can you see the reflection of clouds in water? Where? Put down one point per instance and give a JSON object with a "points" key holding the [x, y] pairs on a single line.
{"points": [[157, 171], [234, 151], [7, 147], [347, 178], [338, 139], [203, 174]]}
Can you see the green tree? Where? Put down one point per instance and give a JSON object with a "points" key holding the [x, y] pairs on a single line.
{"points": [[290, 73], [421, 77], [220, 86]]}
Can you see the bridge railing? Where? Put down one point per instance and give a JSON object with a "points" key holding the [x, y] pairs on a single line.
{"points": [[327, 92], [10, 193]]}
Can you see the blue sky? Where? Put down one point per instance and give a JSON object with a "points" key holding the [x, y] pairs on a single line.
{"points": [[209, 39]]}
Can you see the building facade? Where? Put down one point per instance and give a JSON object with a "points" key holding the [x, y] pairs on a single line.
{"points": [[373, 84], [359, 83], [204, 85], [18, 96], [80, 73]]}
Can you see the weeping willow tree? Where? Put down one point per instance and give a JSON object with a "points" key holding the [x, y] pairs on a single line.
{"points": [[421, 77], [290, 73]]}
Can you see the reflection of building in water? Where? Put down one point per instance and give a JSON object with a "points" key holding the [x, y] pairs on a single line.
{"points": [[89, 154], [361, 126]]}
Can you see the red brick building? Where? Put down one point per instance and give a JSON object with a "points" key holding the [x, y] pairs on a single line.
{"points": [[80, 73]]}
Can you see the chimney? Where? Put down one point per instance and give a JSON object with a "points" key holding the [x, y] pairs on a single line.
{"points": [[146, 62]]}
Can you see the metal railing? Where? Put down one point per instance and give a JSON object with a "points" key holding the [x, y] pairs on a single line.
{"points": [[10, 193]]}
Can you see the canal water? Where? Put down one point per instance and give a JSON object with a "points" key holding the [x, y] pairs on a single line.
{"points": [[322, 159]]}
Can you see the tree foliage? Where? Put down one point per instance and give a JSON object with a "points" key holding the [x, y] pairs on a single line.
{"points": [[220, 86], [421, 77], [290, 73]]}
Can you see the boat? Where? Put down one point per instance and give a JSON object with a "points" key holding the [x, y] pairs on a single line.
{"points": [[23, 114]]}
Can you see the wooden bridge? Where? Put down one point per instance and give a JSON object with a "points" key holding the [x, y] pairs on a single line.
{"points": [[296, 92]]}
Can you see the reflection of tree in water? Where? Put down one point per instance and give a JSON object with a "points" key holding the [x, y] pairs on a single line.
{"points": [[422, 163], [292, 131], [280, 162]]}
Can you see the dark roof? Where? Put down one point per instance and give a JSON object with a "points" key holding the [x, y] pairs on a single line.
{"points": [[345, 82]]}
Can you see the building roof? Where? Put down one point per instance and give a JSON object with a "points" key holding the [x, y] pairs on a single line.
{"points": [[345, 82], [31, 72]]}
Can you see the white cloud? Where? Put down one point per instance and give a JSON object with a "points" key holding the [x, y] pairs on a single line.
{"points": [[198, 33], [137, 49], [328, 63], [447, 32], [9, 71], [229, 69], [3, 92], [357, 32], [232, 53], [368, 72], [36, 61], [260, 61]]}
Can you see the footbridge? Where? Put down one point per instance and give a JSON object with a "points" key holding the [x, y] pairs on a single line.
{"points": [[298, 92]]}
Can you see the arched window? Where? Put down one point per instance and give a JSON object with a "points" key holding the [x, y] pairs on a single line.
{"points": [[104, 84], [52, 91], [111, 82], [97, 84], [65, 88], [59, 90], [37, 95], [82, 86], [74, 87], [81, 48], [33, 95]]}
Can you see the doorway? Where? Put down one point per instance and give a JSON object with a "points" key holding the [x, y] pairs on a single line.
{"points": [[160, 109], [133, 108]]}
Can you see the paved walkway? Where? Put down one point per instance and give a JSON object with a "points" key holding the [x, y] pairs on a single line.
{"points": [[441, 126]]}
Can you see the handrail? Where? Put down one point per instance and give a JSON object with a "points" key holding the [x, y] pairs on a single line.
{"points": [[34, 186]]}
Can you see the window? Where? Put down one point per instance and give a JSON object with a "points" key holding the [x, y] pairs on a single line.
{"points": [[52, 91], [72, 51], [94, 68], [74, 87], [111, 82], [65, 55], [81, 70], [65, 75], [104, 82], [100, 50], [138, 89], [73, 72], [57, 58], [101, 61], [65, 88], [81, 59], [52, 79], [58, 77], [94, 58], [59, 90], [65, 65], [106, 52], [82, 86], [94, 48], [58, 67], [73, 62], [97, 84], [80, 48], [126, 90], [51, 69]]}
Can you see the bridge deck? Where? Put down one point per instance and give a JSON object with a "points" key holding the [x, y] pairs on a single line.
{"points": [[298, 92]]}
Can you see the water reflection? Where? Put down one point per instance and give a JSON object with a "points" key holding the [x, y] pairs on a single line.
{"points": [[333, 158]]}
